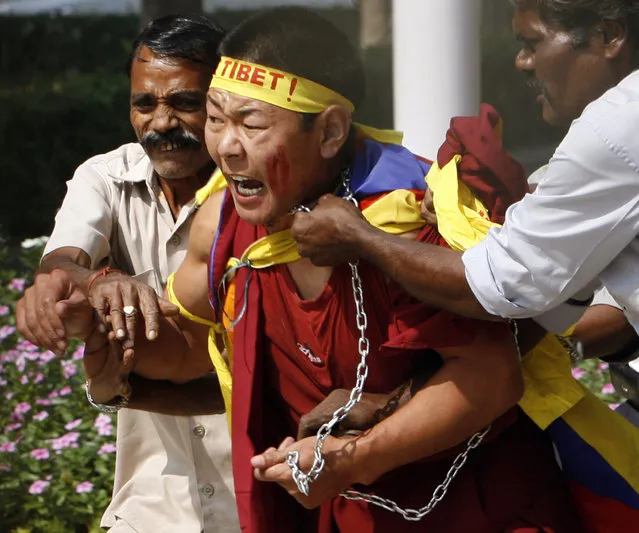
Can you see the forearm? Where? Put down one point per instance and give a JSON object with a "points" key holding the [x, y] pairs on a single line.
{"points": [[460, 400], [201, 396], [74, 262], [604, 331], [432, 274], [179, 354]]}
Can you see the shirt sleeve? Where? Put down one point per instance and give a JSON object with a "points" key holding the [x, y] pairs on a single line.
{"points": [[556, 241], [85, 219]]}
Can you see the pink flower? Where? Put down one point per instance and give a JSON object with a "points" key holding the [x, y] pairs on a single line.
{"points": [[21, 363], [613, 406], [40, 454], [70, 440], [37, 487], [4, 310], [65, 391], [578, 373], [17, 284], [39, 378], [8, 395], [9, 447], [3, 382], [21, 409], [105, 431], [54, 394], [24, 380], [608, 389], [102, 420], [6, 331], [42, 415], [13, 427], [46, 357], [72, 425], [68, 369], [106, 448], [602, 367], [79, 353], [85, 486], [26, 346]]}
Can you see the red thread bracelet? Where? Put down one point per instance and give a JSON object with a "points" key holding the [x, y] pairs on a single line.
{"points": [[103, 272]]}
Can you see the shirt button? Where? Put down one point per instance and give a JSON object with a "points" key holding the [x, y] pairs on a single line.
{"points": [[199, 432], [207, 490], [175, 240]]}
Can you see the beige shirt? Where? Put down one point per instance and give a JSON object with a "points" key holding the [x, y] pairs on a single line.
{"points": [[172, 474]]}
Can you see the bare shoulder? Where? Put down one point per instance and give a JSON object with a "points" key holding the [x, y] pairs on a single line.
{"points": [[205, 226]]}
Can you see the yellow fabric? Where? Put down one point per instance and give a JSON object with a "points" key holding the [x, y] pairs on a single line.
{"points": [[288, 91], [397, 212], [275, 87], [183, 311], [216, 183], [461, 218], [550, 389], [219, 363]]}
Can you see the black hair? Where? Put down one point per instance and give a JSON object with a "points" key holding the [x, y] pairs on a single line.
{"points": [[194, 38], [579, 17], [299, 41]]}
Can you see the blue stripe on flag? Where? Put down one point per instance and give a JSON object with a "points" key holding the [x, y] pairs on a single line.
{"points": [[583, 464]]}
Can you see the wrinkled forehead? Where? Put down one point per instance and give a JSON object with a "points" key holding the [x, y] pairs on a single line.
{"points": [[150, 71], [236, 105]]}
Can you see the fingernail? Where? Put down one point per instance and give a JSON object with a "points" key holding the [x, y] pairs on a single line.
{"points": [[102, 328], [120, 333], [62, 346], [258, 462], [152, 335], [59, 332]]}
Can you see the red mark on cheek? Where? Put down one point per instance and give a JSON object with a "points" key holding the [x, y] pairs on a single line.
{"points": [[279, 173]]}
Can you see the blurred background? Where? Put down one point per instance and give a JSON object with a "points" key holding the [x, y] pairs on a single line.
{"points": [[64, 92]]}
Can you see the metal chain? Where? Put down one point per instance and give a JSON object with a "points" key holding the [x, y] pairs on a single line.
{"points": [[303, 480], [415, 515]]}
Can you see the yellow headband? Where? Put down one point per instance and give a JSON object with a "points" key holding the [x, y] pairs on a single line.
{"points": [[275, 87]]}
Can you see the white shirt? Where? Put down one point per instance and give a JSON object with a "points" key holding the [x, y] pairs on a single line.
{"points": [[580, 226], [172, 473]]}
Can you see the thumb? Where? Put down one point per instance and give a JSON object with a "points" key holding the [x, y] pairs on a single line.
{"points": [[167, 308], [77, 302]]}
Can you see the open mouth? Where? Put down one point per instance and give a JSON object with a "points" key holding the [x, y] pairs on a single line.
{"points": [[247, 187], [171, 147]]}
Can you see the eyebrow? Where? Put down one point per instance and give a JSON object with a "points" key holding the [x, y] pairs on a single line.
{"points": [[189, 93], [244, 111]]}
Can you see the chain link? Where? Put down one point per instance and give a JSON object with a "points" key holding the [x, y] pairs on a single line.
{"points": [[304, 480], [415, 515]]}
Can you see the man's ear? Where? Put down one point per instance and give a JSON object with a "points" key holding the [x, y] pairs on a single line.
{"points": [[335, 125], [614, 37]]}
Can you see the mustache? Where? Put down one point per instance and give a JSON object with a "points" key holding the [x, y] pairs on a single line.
{"points": [[178, 136], [533, 83]]}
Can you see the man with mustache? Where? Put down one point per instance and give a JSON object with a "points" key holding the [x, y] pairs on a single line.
{"points": [[122, 228]]}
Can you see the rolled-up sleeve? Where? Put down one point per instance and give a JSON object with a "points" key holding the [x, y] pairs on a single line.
{"points": [[85, 219], [556, 241]]}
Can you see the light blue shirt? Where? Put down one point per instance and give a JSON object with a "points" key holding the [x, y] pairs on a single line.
{"points": [[578, 229]]}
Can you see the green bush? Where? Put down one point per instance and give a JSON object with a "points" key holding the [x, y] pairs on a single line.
{"points": [[56, 451]]}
